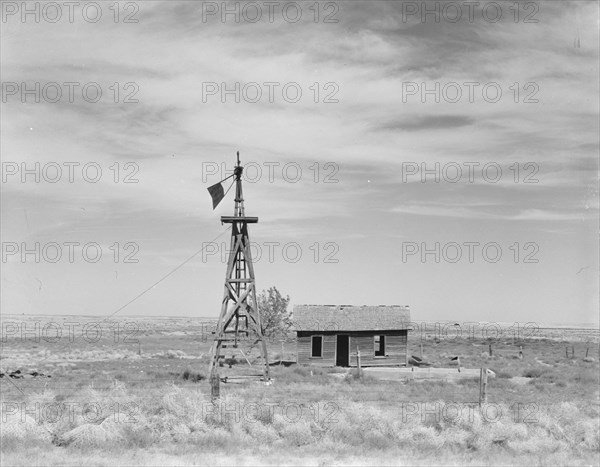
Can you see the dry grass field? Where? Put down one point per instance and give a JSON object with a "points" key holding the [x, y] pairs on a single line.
{"points": [[134, 392]]}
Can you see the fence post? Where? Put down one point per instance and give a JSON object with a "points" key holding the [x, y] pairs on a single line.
{"points": [[214, 386], [421, 354], [573, 351], [483, 386], [485, 383], [281, 359], [521, 352], [586, 352], [480, 384], [458, 360], [490, 350], [359, 369]]}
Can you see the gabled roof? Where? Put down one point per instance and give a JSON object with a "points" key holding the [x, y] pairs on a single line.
{"points": [[350, 318]]}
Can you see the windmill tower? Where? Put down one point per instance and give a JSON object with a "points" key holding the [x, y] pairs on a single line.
{"points": [[239, 320]]}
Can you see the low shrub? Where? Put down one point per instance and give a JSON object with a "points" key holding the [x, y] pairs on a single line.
{"points": [[501, 374], [191, 375], [533, 372]]}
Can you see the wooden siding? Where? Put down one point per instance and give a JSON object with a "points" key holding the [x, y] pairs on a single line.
{"points": [[304, 348], [396, 346]]}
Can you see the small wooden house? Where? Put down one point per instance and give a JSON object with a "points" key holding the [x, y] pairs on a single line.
{"points": [[329, 335]]}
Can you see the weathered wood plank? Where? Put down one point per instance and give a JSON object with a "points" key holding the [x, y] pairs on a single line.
{"points": [[395, 348], [397, 374]]}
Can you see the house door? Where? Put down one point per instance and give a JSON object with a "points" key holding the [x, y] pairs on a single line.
{"points": [[342, 350]]}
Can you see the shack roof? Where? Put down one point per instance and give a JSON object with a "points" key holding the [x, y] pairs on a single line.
{"points": [[350, 318]]}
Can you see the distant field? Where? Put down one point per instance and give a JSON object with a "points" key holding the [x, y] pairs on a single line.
{"points": [[133, 391]]}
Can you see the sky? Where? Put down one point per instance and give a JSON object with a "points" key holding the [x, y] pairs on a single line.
{"points": [[352, 149]]}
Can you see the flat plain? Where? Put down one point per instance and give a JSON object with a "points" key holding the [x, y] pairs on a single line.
{"points": [[133, 391]]}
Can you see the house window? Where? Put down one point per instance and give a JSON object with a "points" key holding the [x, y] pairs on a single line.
{"points": [[379, 346], [316, 344]]}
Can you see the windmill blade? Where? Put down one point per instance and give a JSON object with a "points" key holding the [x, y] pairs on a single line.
{"points": [[216, 193]]}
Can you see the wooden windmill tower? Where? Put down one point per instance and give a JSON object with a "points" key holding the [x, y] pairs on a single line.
{"points": [[239, 320]]}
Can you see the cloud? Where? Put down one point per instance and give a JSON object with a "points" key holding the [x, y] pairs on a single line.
{"points": [[418, 123], [492, 212]]}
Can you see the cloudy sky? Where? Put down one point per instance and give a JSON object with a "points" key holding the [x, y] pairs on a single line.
{"points": [[361, 132]]}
